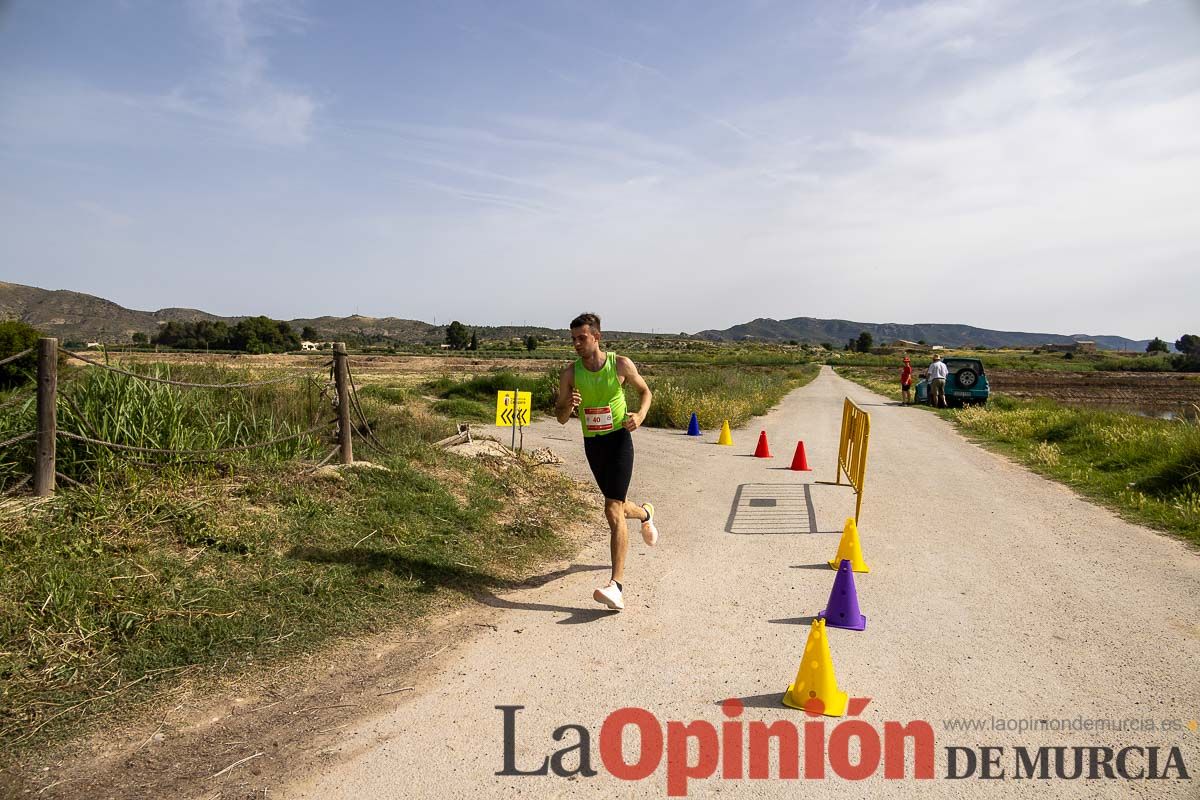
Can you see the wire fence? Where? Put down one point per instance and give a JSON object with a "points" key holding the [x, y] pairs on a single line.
{"points": [[189, 452], [186, 384], [21, 354], [344, 399], [18, 438]]}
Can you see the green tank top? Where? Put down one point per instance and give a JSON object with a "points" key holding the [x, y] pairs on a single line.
{"points": [[602, 409]]}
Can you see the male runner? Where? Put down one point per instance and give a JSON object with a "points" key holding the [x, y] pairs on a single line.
{"points": [[593, 385]]}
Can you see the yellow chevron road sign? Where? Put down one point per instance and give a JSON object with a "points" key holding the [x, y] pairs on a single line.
{"points": [[513, 408]]}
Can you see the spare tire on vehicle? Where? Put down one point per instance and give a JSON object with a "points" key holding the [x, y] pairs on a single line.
{"points": [[966, 377]]}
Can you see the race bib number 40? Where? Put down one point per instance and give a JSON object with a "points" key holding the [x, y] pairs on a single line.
{"points": [[598, 419]]}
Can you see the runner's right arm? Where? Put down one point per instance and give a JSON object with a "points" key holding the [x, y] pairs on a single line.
{"points": [[568, 396]]}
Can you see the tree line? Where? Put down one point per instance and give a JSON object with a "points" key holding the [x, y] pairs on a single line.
{"points": [[250, 335], [459, 338], [1188, 357]]}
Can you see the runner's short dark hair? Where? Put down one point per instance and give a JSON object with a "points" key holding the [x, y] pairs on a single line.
{"points": [[587, 318]]}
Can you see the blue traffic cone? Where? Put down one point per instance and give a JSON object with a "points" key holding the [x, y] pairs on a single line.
{"points": [[842, 609], [694, 426]]}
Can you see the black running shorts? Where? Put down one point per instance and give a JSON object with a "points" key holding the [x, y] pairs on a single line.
{"points": [[611, 458]]}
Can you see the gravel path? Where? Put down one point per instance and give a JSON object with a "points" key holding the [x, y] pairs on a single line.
{"points": [[992, 593]]}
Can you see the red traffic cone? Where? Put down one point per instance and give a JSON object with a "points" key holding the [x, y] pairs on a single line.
{"points": [[762, 451], [800, 461]]}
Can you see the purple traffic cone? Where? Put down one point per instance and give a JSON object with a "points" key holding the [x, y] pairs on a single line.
{"points": [[842, 609]]}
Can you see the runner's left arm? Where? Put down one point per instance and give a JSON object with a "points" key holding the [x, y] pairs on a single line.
{"points": [[629, 371]]}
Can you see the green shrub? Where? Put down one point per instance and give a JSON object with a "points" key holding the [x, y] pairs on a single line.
{"points": [[1149, 468], [484, 387], [395, 395], [460, 408], [16, 336], [1155, 363]]}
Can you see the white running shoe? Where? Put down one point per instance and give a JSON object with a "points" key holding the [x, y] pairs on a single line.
{"points": [[610, 596], [649, 531]]}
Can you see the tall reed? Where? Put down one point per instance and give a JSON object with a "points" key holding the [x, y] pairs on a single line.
{"points": [[111, 407]]}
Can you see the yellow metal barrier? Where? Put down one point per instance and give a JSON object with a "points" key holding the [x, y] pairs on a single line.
{"points": [[852, 450]]}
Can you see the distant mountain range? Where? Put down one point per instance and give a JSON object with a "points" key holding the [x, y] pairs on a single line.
{"points": [[78, 317], [838, 331]]}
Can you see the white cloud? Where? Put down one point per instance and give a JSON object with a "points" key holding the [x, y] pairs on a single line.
{"points": [[238, 99], [279, 117], [996, 96], [1013, 164], [1036, 185], [950, 25], [241, 91]]}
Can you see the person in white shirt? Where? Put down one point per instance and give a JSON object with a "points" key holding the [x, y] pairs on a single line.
{"points": [[937, 382]]}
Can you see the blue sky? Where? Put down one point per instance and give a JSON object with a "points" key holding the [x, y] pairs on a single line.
{"points": [[1011, 164]]}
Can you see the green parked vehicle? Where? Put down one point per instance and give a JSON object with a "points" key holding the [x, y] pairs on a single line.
{"points": [[966, 384]]}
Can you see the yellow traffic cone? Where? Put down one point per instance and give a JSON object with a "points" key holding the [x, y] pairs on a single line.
{"points": [[850, 548], [726, 437], [815, 689]]}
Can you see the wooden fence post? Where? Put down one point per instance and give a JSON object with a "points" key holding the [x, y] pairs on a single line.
{"points": [[341, 373], [47, 416]]}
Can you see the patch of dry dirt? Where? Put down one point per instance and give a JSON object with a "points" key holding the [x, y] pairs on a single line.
{"points": [[373, 365], [1144, 390]]}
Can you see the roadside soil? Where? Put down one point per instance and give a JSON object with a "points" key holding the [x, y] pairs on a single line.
{"points": [[269, 720], [1148, 390]]}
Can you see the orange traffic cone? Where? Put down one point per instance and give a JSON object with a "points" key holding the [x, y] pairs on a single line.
{"points": [[815, 689], [850, 549], [762, 451], [800, 461]]}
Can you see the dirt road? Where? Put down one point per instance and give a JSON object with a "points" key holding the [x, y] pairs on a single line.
{"points": [[992, 594]]}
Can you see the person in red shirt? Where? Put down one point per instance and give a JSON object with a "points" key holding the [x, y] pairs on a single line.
{"points": [[906, 382]]}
